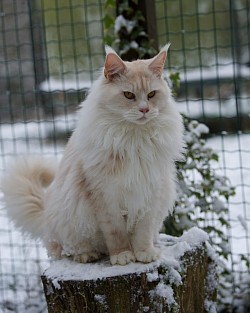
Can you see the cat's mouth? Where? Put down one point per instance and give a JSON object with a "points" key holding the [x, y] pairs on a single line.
{"points": [[142, 120]]}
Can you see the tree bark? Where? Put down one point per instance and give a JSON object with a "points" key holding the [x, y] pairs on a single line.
{"points": [[157, 289]]}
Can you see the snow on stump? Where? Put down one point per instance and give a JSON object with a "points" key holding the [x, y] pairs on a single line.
{"points": [[182, 280]]}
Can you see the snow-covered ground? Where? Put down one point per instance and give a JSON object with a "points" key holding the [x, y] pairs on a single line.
{"points": [[21, 260], [211, 108], [234, 153]]}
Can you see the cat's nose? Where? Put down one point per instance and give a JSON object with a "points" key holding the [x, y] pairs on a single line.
{"points": [[144, 110]]}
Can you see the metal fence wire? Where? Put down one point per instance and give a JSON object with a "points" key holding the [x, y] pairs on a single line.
{"points": [[50, 53]]}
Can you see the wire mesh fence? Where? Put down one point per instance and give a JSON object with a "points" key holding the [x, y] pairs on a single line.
{"points": [[50, 53]]}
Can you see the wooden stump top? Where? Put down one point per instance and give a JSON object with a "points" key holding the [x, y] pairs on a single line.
{"points": [[182, 280]]}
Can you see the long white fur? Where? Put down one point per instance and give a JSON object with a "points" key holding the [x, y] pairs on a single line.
{"points": [[128, 168], [24, 193]]}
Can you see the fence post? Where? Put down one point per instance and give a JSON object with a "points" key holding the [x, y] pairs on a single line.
{"points": [[148, 11], [183, 280]]}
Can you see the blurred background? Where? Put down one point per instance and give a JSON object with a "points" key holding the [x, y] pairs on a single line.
{"points": [[51, 51]]}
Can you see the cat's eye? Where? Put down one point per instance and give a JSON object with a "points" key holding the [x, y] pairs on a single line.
{"points": [[151, 94], [129, 95]]}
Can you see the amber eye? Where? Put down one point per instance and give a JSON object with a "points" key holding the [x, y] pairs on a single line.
{"points": [[129, 95], [151, 94]]}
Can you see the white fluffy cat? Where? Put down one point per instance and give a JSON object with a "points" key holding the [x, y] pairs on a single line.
{"points": [[116, 181]]}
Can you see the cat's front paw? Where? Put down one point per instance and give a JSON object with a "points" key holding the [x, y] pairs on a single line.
{"points": [[122, 258], [148, 255], [86, 257]]}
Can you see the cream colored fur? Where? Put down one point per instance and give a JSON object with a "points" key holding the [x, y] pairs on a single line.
{"points": [[116, 181]]}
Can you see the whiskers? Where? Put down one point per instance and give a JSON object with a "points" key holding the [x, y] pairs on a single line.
{"points": [[135, 116]]}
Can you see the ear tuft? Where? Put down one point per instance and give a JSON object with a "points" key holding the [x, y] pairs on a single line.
{"points": [[157, 65], [108, 50], [165, 48], [114, 66]]}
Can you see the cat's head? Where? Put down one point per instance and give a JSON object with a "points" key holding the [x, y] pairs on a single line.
{"points": [[135, 91]]}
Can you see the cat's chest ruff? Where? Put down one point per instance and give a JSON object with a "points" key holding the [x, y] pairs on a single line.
{"points": [[126, 157], [139, 151], [137, 163]]}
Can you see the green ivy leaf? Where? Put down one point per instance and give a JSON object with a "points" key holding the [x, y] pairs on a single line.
{"points": [[109, 3], [108, 21]]}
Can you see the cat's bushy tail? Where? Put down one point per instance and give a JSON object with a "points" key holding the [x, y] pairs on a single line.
{"points": [[23, 187]]}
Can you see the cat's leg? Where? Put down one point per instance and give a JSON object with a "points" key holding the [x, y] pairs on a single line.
{"points": [[54, 250], [142, 240], [89, 249], [117, 239], [119, 248], [84, 253], [81, 249], [86, 257]]}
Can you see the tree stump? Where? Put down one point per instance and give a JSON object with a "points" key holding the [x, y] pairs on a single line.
{"points": [[183, 280]]}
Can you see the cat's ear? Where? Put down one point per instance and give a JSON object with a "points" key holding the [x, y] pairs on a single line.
{"points": [[114, 66], [157, 65]]}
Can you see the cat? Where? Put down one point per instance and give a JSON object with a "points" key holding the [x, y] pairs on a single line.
{"points": [[117, 179]]}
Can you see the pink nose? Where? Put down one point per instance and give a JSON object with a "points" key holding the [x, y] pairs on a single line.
{"points": [[144, 110]]}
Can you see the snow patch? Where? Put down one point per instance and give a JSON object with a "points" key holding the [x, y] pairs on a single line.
{"points": [[122, 22], [56, 284], [152, 276], [166, 292], [210, 306], [100, 298], [194, 237], [53, 84]]}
